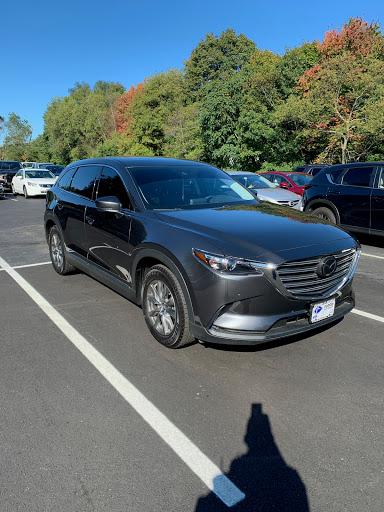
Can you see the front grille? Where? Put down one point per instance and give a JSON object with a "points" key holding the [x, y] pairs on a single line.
{"points": [[289, 203], [300, 277]]}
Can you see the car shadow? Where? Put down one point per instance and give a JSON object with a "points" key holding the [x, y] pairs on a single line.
{"points": [[261, 474], [267, 345]]}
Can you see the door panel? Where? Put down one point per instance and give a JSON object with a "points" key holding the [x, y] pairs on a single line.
{"points": [[377, 203], [352, 196]]}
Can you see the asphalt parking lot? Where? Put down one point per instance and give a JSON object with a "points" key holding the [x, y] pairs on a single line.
{"points": [[96, 415]]}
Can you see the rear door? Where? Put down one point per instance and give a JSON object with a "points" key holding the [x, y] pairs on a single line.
{"points": [[108, 233], [351, 194], [377, 202]]}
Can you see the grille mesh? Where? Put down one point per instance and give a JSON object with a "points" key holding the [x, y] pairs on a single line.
{"points": [[300, 277]]}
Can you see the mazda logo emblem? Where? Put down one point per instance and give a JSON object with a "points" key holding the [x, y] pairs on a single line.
{"points": [[327, 266]]}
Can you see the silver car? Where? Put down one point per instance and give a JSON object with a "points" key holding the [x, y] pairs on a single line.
{"points": [[267, 191]]}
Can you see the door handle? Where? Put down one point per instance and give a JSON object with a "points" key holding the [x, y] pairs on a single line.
{"points": [[89, 220], [379, 199], [335, 192]]}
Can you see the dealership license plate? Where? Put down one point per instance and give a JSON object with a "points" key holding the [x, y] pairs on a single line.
{"points": [[322, 310]]}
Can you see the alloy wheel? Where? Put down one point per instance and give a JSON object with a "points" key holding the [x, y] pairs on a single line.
{"points": [[161, 307]]}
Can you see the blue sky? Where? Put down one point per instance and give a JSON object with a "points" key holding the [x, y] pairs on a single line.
{"points": [[48, 46]]}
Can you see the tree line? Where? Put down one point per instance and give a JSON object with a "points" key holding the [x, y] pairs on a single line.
{"points": [[233, 105]]}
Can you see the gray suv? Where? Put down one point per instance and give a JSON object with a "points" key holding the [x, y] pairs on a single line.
{"points": [[201, 255]]}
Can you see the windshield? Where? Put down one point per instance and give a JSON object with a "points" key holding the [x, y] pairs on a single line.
{"points": [[253, 182], [39, 174], [56, 169], [299, 179], [184, 187], [10, 166]]}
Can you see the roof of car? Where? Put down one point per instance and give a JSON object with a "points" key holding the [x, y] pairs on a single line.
{"points": [[139, 161], [287, 172]]}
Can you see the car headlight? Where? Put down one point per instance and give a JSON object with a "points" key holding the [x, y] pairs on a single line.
{"points": [[223, 264], [32, 184]]}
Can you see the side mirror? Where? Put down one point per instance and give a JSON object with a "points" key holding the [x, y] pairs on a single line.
{"points": [[284, 184], [108, 204]]}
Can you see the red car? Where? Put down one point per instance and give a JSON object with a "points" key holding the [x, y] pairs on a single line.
{"points": [[294, 181]]}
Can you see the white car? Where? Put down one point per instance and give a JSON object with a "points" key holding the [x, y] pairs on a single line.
{"points": [[32, 182]]}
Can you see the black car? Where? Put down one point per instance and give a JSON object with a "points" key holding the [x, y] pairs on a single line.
{"points": [[350, 195], [202, 256], [55, 169], [311, 169], [8, 169]]}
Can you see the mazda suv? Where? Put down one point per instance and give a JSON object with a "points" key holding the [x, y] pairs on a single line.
{"points": [[202, 256]]}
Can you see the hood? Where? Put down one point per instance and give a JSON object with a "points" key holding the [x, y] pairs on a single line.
{"points": [[250, 231], [276, 194]]}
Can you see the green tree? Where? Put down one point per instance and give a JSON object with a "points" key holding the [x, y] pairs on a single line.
{"points": [[163, 94], [76, 124], [216, 56], [17, 137]]}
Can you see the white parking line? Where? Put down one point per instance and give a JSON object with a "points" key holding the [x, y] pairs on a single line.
{"points": [[30, 265], [368, 315], [372, 256], [189, 453], [14, 200]]}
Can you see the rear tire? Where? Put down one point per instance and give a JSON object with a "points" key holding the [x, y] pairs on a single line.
{"points": [[165, 309], [57, 252], [325, 213]]}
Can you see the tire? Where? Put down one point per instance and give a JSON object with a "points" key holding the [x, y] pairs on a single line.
{"points": [[165, 309], [13, 190], [325, 213], [26, 193], [57, 253]]}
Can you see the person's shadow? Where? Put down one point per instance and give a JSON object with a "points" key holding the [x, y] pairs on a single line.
{"points": [[261, 475]]}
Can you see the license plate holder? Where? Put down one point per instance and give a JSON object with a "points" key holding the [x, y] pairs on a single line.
{"points": [[322, 310]]}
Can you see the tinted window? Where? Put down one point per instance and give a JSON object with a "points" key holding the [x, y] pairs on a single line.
{"points": [[65, 180], [10, 166], [84, 179], [112, 185], [358, 176], [300, 169]]}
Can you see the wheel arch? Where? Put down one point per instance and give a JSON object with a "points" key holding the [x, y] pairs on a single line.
{"points": [[318, 203], [151, 256]]}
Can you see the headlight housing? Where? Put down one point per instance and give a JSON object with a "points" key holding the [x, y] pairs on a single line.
{"points": [[225, 264], [32, 184]]}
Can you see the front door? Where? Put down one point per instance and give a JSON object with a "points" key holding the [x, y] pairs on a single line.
{"points": [[108, 233]]}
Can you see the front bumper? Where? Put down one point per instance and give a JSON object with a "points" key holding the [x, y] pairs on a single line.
{"points": [[280, 326], [37, 191]]}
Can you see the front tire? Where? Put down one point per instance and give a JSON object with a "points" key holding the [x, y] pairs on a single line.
{"points": [[26, 195], [57, 252], [165, 309], [325, 213], [13, 190]]}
